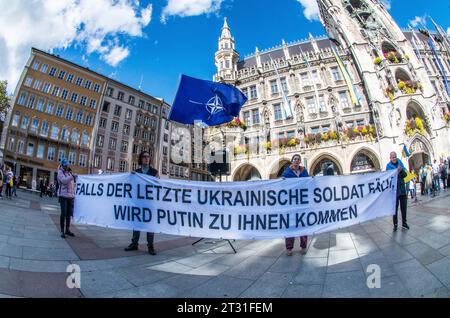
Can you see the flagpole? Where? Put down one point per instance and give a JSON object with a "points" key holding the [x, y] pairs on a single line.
{"points": [[287, 106], [310, 75]]}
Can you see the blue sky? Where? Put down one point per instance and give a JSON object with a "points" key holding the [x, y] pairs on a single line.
{"points": [[186, 42]]}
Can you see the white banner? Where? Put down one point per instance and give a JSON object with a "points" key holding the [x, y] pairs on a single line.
{"points": [[235, 210]]}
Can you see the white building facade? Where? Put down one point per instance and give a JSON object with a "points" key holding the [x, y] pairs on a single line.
{"points": [[384, 91]]}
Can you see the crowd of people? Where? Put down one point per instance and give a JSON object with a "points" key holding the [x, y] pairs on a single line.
{"points": [[431, 178], [9, 182]]}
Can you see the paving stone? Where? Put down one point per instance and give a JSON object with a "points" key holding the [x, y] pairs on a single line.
{"points": [[312, 271], [269, 285], [157, 290], [303, 291], [235, 259], [11, 250], [341, 241], [287, 264], [423, 253], [37, 243], [343, 261], [38, 266], [396, 254], [251, 268], [140, 275], [441, 269], [199, 260], [377, 258], [346, 285], [417, 279], [186, 282], [57, 254], [100, 282], [222, 286], [434, 240], [445, 250], [391, 287], [171, 267], [4, 262], [365, 246], [209, 269]]}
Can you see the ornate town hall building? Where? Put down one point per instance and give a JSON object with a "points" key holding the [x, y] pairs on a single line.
{"points": [[372, 89]]}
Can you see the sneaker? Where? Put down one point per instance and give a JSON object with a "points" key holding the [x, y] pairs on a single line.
{"points": [[131, 247], [395, 228], [303, 251], [151, 250], [288, 252], [405, 226], [63, 235], [69, 233]]}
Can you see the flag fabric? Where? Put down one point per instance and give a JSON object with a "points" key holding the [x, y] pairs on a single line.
{"points": [[409, 176], [209, 102], [439, 65], [316, 92], [348, 79], [287, 107], [405, 152]]}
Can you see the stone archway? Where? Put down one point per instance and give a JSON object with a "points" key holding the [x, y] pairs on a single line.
{"points": [[278, 168], [321, 162], [420, 153], [246, 172], [364, 161], [414, 110]]}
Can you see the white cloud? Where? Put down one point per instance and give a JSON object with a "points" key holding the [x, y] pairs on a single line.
{"points": [[185, 8], [311, 9], [116, 55], [93, 26], [387, 4], [448, 31], [418, 21]]}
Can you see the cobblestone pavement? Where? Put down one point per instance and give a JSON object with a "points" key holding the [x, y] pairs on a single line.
{"points": [[34, 259]]}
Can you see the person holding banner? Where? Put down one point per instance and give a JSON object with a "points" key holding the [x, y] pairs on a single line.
{"points": [[395, 163], [295, 171], [145, 168], [66, 196]]}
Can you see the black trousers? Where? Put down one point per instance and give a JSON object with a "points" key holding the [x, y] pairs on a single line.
{"points": [[402, 201], [137, 234], [66, 212]]}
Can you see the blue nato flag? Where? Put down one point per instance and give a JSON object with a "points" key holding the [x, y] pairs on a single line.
{"points": [[210, 102]]}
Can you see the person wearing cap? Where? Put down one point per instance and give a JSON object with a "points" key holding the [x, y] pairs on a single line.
{"points": [[66, 195]]}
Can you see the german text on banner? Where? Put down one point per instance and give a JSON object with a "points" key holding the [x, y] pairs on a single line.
{"points": [[235, 210]]}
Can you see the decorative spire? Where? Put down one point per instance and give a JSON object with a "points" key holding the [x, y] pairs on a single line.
{"points": [[226, 33]]}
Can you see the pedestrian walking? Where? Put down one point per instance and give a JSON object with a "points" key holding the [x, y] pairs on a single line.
{"points": [[9, 180], [444, 174], [145, 168], [436, 176], [295, 170], [393, 164], [1, 182], [66, 195]]}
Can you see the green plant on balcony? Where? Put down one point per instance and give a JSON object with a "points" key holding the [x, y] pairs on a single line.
{"points": [[293, 142], [414, 126], [267, 145], [409, 87], [389, 92], [236, 122], [393, 57], [447, 118], [378, 60], [240, 149]]}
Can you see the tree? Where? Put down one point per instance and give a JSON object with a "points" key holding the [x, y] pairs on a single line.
{"points": [[4, 101]]}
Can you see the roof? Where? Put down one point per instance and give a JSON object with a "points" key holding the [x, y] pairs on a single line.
{"points": [[295, 48], [86, 69]]}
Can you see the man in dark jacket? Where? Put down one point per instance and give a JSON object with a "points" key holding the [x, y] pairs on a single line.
{"points": [[144, 163], [401, 190]]}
